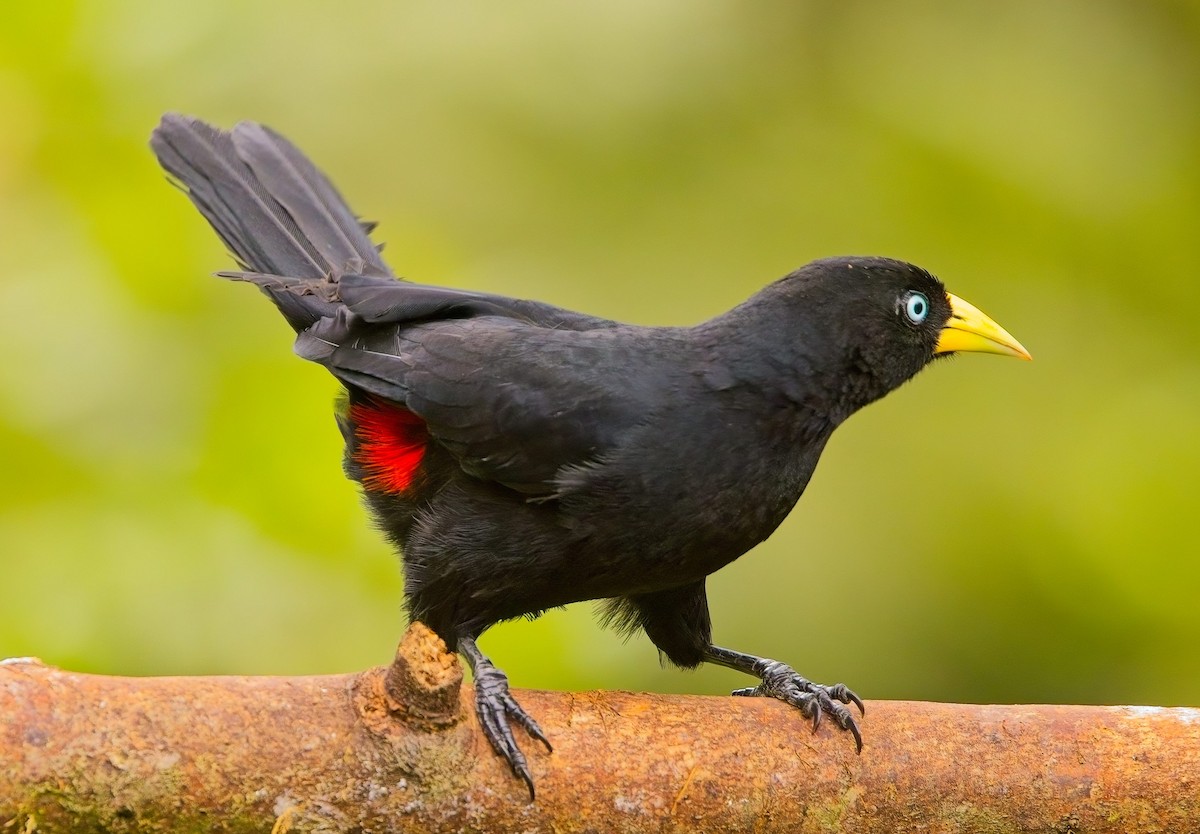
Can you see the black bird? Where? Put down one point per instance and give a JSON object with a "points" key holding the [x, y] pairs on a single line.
{"points": [[521, 456]]}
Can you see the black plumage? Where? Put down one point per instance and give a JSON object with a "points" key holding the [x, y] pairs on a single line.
{"points": [[522, 456]]}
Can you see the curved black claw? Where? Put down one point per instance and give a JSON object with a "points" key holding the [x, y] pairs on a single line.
{"points": [[812, 699], [495, 705]]}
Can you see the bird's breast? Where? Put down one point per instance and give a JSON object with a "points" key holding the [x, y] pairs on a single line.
{"points": [[691, 496]]}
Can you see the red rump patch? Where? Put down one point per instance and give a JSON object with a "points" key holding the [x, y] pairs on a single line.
{"points": [[391, 444]]}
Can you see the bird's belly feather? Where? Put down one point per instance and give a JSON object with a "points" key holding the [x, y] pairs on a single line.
{"points": [[657, 516]]}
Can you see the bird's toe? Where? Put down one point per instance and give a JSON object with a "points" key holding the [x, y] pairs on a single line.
{"points": [[813, 700], [494, 710]]}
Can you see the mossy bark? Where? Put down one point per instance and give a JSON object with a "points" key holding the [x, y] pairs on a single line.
{"points": [[394, 749]]}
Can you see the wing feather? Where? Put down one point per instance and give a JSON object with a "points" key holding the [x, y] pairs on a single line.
{"points": [[515, 402]]}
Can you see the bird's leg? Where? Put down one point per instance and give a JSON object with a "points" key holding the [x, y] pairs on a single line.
{"points": [[781, 681], [494, 706]]}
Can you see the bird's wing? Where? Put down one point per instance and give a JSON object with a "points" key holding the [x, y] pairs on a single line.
{"points": [[515, 401], [385, 301]]}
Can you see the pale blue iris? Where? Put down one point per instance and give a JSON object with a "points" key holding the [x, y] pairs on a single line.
{"points": [[916, 307]]}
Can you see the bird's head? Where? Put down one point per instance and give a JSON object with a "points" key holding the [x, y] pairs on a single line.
{"points": [[870, 324]]}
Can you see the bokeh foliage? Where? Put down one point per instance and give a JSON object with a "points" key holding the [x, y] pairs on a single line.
{"points": [[171, 499]]}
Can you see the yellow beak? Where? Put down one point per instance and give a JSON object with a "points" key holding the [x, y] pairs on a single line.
{"points": [[970, 330]]}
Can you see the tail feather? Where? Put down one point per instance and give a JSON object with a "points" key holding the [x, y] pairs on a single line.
{"points": [[274, 210], [309, 199]]}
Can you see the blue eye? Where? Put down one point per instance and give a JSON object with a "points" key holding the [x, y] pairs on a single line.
{"points": [[916, 307]]}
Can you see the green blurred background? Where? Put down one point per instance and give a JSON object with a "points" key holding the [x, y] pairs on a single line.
{"points": [[172, 500]]}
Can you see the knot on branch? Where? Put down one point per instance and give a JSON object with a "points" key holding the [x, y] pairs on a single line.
{"points": [[420, 688]]}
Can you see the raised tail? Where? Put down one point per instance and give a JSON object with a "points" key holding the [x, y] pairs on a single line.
{"points": [[279, 216]]}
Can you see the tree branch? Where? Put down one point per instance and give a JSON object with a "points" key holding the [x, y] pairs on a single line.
{"points": [[392, 749]]}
